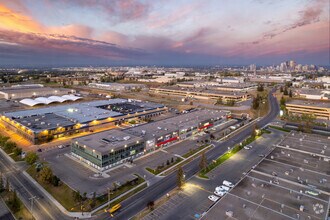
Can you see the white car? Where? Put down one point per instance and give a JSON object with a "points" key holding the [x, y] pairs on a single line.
{"points": [[60, 146], [213, 198], [246, 147], [222, 188], [227, 183], [219, 193]]}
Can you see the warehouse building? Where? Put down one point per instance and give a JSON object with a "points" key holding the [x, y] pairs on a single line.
{"points": [[117, 86], [44, 124], [109, 148], [201, 93], [321, 110], [30, 91]]}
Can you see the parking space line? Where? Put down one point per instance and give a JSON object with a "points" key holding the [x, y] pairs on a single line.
{"points": [[260, 205]]}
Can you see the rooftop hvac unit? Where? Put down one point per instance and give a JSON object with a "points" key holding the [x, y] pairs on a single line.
{"points": [[126, 138]]}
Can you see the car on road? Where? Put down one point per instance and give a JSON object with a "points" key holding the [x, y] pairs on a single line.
{"points": [[39, 150], [60, 146], [227, 183], [246, 148], [219, 193], [261, 155], [213, 198]]}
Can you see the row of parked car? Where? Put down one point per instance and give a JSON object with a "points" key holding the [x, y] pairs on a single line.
{"points": [[220, 191]]}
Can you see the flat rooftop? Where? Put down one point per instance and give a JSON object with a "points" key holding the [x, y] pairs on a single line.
{"points": [[176, 123], [202, 90], [288, 179], [106, 141], [11, 90], [321, 104], [83, 112], [39, 123]]}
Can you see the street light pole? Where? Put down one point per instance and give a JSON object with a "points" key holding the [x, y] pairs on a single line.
{"points": [[32, 201]]}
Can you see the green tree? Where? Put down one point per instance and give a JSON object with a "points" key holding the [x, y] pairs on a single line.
{"points": [[3, 140], [14, 203], [203, 162], [31, 157], [180, 178], [282, 101], [17, 151], [9, 146], [286, 91], [219, 101], [290, 93], [46, 175], [260, 87]]}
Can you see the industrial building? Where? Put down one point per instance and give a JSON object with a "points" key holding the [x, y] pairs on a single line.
{"points": [[44, 124], [117, 86], [109, 148], [201, 93], [316, 94], [321, 110], [33, 90], [49, 100]]}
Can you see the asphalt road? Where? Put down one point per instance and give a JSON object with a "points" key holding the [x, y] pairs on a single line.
{"points": [[43, 208], [136, 203]]}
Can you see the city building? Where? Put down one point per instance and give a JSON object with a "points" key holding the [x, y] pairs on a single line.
{"points": [[117, 86], [201, 93], [44, 124], [316, 94], [109, 148], [321, 110], [33, 90]]}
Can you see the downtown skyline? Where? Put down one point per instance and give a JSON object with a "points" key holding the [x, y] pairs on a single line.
{"points": [[62, 33]]}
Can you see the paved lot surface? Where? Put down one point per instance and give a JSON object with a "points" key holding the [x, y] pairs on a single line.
{"points": [[197, 190], [290, 183]]}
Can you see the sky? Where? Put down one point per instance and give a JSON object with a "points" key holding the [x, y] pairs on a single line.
{"points": [[163, 32]]}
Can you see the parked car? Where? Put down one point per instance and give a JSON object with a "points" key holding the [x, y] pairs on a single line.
{"points": [[213, 198], [60, 146], [227, 183], [39, 150], [221, 188], [219, 193]]}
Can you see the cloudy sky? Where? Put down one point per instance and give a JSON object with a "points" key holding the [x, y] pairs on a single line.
{"points": [[163, 32]]}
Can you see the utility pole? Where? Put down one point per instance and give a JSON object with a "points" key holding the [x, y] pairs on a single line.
{"points": [[32, 201]]}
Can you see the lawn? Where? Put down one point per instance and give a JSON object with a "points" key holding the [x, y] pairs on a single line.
{"points": [[279, 128], [64, 194], [228, 154], [193, 151], [23, 212], [163, 167]]}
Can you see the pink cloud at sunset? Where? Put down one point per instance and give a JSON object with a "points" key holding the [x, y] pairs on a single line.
{"points": [[143, 31]]}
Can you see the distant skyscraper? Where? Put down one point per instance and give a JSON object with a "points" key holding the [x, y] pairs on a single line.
{"points": [[292, 64], [283, 67], [253, 67]]}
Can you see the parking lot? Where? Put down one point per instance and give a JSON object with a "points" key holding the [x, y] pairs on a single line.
{"points": [[290, 183]]}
